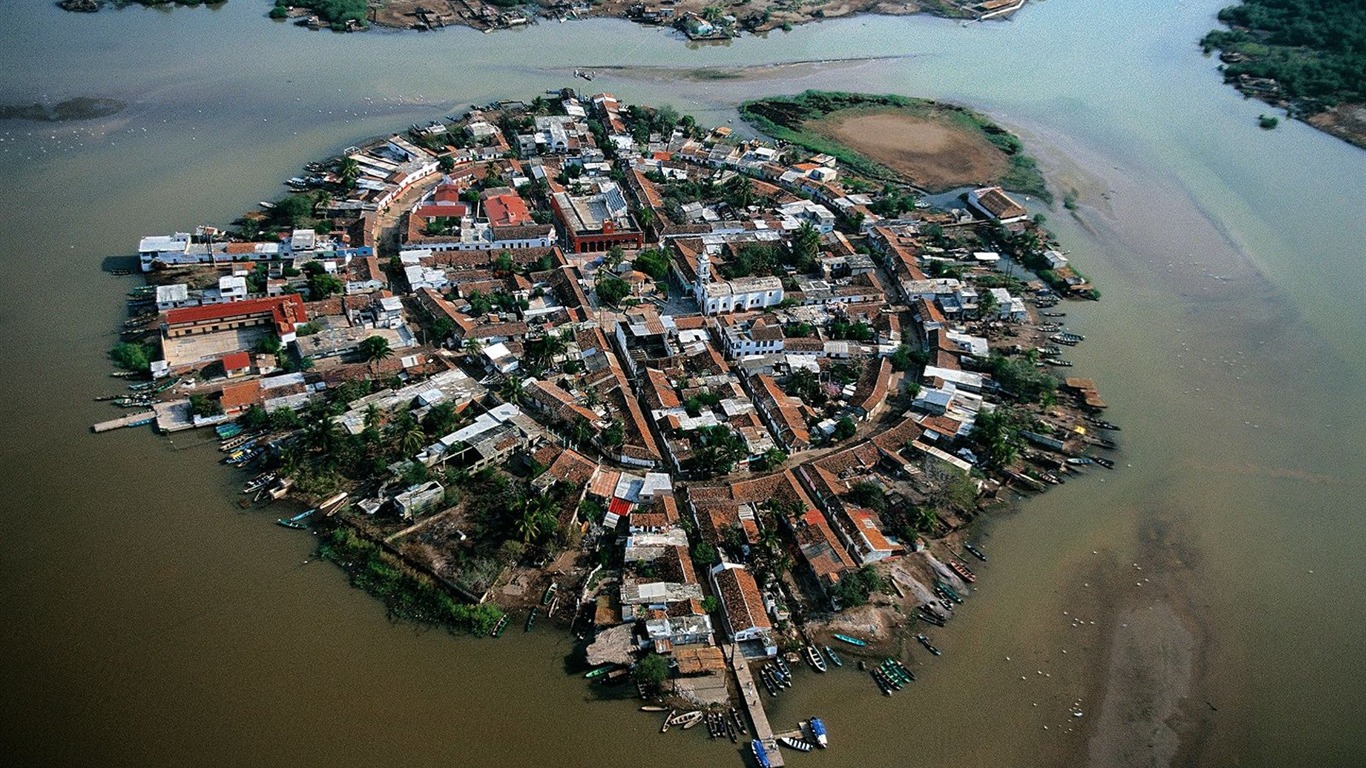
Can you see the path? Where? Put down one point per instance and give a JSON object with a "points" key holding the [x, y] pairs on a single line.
{"points": [[762, 731]]}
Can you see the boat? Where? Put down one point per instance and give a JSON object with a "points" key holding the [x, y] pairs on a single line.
{"points": [[296, 522], [929, 618], [925, 641], [760, 754], [1079, 461], [549, 592], [668, 721], [226, 431], [832, 656], [818, 732], [739, 721], [1104, 462], [257, 483], [653, 708], [781, 663], [813, 656], [599, 672], [977, 553], [851, 640], [962, 571], [883, 682], [530, 621], [1058, 362], [280, 488], [691, 719], [1103, 442], [801, 745], [1102, 424], [502, 624], [1070, 339]]}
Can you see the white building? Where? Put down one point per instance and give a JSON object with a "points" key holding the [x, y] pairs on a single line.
{"points": [[739, 295]]}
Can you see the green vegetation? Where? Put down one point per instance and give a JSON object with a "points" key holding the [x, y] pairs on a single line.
{"points": [[845, 428], [997, 432], [1315, 50], [855, 587], [1019, 376], [611, 289], [1268, 122], [653, 262], [406, 593], [651, 671], [866, 494], [719, 450], [131, 356], [785, 118], [203, 405], [335, 12]]}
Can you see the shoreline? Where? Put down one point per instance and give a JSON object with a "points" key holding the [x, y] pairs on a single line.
{"points": [[417, 513], [690, 18]]}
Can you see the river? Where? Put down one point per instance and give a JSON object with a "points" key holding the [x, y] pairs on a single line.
{"points": [[1201, 604]]}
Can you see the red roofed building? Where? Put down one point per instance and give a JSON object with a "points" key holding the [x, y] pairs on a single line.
{"points": [[507, 210], [821, 550], [743, 608], [283, 313], [239, 396], [237, 364]]}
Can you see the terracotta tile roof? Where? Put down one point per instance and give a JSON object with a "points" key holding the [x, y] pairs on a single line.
{"points": [[285, 311], [236, 361], [821, 550], [574, 468], [740, 597], [240, 395]]}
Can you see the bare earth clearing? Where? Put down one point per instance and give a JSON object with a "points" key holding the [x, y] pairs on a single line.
{"points": [[934, 155]]}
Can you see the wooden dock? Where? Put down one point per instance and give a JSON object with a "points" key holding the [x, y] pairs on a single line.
{"points": [[131, 420], [762, 730]]}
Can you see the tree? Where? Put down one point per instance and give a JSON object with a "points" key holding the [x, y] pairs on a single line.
{"points": [[998, 433], [511, 388], [845, 428], [284, 419], [131, 356], [255, 418], [615, 255], [322, 285], [704, 554], [614, 434], [986, 304], [412, 438], [653, 262], [203, 405], [446, 163], [375, 348], [651, 672], [611, 289], [720, 449], [348, 170], [740, 191], [473, 346], [806, 247]]}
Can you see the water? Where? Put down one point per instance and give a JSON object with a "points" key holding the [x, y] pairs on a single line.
{"points": [[150, 622]]}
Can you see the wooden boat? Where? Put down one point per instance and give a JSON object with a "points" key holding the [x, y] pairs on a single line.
{"points": [[948, 590], [653, 708], [1104, 462], [280, 488], [977, 553], [668, 721], [530, 621], [929, 618], [296, 522], [801, 745], [1102, 424], [1079, 461], [739, 721], [818, 732], [925, 641], [814, 658], [502, 624], [693, 718], [851, 640], [1058, 362], [549, 593], [257, 483], [599, 672], [760, 754], [832, 656], [962, 571]]}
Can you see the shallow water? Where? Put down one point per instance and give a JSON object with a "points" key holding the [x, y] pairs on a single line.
{"points": [[149, 622]]}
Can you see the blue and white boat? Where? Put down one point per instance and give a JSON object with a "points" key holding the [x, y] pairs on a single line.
{"points": [[818, 733], [760, 754]]}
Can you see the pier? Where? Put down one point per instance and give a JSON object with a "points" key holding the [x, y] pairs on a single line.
{"points": [[131, 420], [762, 730]]}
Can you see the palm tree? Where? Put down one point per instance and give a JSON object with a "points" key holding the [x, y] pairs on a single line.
{"points": [[511, 388], [412, 438], [376, 348], [372, 416], [349, 170], [472, 346]]}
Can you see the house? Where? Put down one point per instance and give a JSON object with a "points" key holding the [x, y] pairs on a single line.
{"points": [[821, 550], [282, 314], [420, 498], [994, 203], [237, 364], [742, 610], [596, 222]]}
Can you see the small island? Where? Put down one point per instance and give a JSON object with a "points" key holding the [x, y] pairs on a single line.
{"points": [[1306, 56], [720, 407]]}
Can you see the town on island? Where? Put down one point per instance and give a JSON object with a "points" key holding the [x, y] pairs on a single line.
{"points": [[721, 407]]}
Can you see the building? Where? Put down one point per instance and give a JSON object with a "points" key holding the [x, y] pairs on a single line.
{"points": [[994, 203], [597, 222], [739, 295], [742, 609], [281, 313]]}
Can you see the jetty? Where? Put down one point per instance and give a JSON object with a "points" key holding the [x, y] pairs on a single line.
{"points": [[762, 730], [131, 420]]}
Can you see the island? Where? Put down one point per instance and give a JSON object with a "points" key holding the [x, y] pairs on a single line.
{"points": [[1307, 57], [699, 20], [720, 406]]}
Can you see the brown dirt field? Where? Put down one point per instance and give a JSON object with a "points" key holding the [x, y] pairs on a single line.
{"points": [[934, 155]]}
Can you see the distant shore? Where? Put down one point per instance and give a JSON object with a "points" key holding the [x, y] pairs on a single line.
{"points": [[698, 20]]}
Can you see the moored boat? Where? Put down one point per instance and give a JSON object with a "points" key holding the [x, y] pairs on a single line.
{"points": [[502, 624], [801, 745], [692, 718], [668, 721], [834, 657], [977, 553], [851, 640], [530, 621], [599, 672], [1104, 462], [813, 657], [925, 641], [296, 522], [760, 754], [962, 571], [653, 708], [818, 732]]}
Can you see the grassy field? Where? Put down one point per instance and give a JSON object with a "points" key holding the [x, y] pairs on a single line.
{"points": [[937, 146]]}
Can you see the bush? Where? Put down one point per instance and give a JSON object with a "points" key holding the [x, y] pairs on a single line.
{"points": [[131, 356]]}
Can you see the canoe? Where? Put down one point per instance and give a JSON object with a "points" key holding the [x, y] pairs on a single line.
{"points": [[851, 640]]}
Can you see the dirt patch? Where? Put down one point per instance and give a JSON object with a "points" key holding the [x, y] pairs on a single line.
{"points": [[935, 155], [1346, 121]]}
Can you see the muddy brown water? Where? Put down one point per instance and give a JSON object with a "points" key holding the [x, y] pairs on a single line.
{"points": [[149, 622]]}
